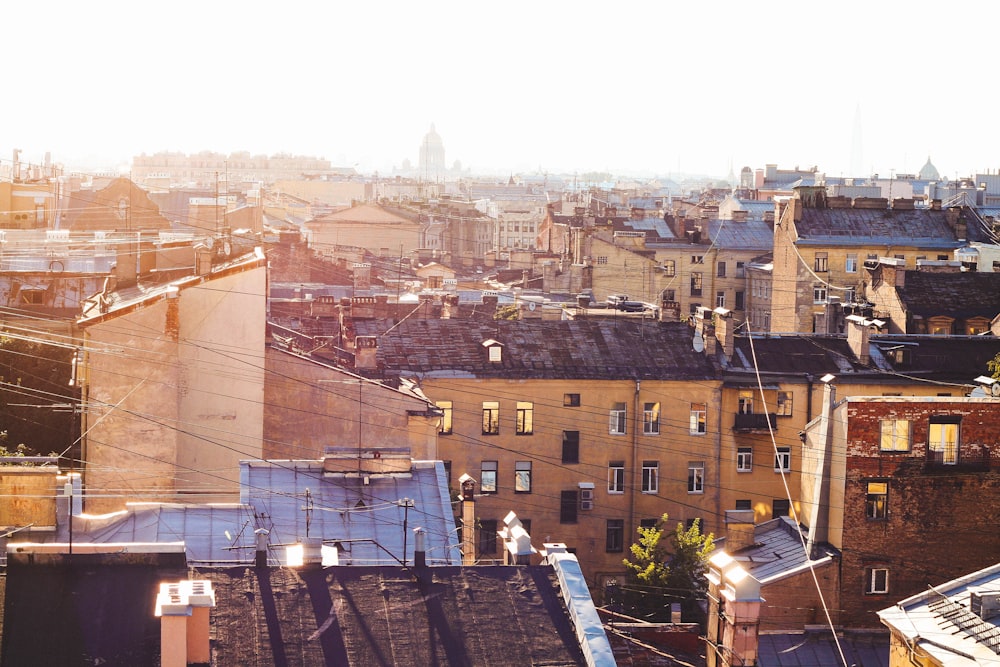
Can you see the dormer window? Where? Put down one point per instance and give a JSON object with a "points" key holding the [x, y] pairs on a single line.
{"points": [[494, 350]]}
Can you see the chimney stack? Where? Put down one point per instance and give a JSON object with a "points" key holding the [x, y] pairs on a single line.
{"points": [[724, 330], [419, 548], [468, 519], [739, 530], [857, 336], [183, 608], [260, 559]]}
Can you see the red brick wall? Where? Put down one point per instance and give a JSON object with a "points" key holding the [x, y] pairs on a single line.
{"points": [[942, 520]]}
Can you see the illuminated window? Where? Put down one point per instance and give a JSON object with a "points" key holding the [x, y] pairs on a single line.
{"points": [[895, 435], [699, 418], [491, 417], [669, 267], [696, 477], [445, 425], [746, 402], [820, 262], [876, 500], [571, 400], [784, 404], [696, 283], [525, 411], [651, 418], [943, 440]]}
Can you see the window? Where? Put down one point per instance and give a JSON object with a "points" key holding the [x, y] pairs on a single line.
{"points": [[571, 447], [942, 439], [699, 418], [616, 477], [720, 299], [697, 259], [820, 262], [603, 259], [650, 476], [522, 477], [746, 402], [615, 540], [744, 459], [741, 270], [651, 418], [445, 425], [877, 580], [740, 301], [525, 411], [669, 295], [487, 536], [696, 283], [876, 500], [491, 418], [567, 506], [669, 268], [696, 477], [720, 269], [850, 294], [616, 425], [895, 435], [648, 523], [780, 507], [743, 504], [819, 293], [488, 477], [783, 459], [851, 263], [784, 404], [571, 400]]}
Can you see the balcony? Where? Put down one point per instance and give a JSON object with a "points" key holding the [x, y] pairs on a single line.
{"points": [[965, 460], [755, 423]]}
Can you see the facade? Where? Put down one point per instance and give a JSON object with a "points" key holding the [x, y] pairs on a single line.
{"points": [[206, 168], [173, 385], [379, 230], [885, 473], [821, 245]]}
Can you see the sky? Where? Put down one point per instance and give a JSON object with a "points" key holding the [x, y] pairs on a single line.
{"points": [[634, 88]]}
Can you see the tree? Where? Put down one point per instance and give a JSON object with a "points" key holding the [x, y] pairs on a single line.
{"points": [[994, 366], [657, 576]]}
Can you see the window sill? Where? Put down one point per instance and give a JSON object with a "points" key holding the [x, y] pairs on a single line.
{"points": [[616, 493], [649, 493]]}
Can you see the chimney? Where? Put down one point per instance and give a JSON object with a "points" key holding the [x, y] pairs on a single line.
{"points": [[733, 612], [365, 352], [516, 541], [670, 311], [468, 519], [724, 330], [739, 530], [857, 337], [490, 299], [740, 215], [419, 548], [260, 559], [183, 608]]}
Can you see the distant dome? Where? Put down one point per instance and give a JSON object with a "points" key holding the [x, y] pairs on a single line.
{"points": [[929, 172]]}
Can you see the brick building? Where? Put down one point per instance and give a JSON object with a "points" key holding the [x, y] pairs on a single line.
{"points": [[907, 489]]}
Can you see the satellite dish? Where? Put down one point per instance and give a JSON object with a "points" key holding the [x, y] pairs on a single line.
{"points": [[995, 389], [698, 342], [531, 305]]}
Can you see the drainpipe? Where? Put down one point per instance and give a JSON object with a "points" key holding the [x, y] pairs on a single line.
{"points": [[809, 397], [717, 457], [636, 471]]}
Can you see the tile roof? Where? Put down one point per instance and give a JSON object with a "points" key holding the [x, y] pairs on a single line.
{"points": [[920, 227], [605, 348], [964, 295]]}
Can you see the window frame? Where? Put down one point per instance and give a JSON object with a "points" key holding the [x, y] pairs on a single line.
{"points": [[872, 580], [697, 283], [569, 501], [784, 403], [744, 459], [720, 269], [698, 419], [524, 418], [650, 477], [669, 268], [696, 477], [571, 400], [651, 418], [485, 487], [949, 451], [618, 419], [821, 262], [614, 538], [783, 459], [720, 299], [851, 263], [446, 425], [491, 418], [522, 476], [894, 436], [820, 293], [571, 447], [616, 478], [877, 500]]}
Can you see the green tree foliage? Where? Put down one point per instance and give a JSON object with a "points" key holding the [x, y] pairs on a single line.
{"points": [[994, 366], [508, 311], [659, 571]]}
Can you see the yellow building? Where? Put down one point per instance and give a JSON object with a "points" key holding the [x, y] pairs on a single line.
{"points": [[376, 229], [821, 245]]}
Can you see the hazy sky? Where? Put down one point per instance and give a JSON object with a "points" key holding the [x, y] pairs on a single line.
{"points": [[631, 87]]}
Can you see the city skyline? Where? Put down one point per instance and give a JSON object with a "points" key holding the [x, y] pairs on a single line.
{"points": [[635, 89]]}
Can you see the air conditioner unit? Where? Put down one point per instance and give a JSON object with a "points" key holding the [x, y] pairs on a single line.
{"points": [[586, 499], [586, 504]]}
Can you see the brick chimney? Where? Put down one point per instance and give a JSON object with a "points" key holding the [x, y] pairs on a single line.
{"points": [[724, 330], [184, 608], [468, 492], [739, 530]]}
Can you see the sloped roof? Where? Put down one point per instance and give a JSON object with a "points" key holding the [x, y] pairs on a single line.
{"points": [[963, 295], [753, 235], [608, 348], [120, 204], [819, 649], [940, 621], [384, 616], [777, 552], [920, 227], [366, 213]]}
